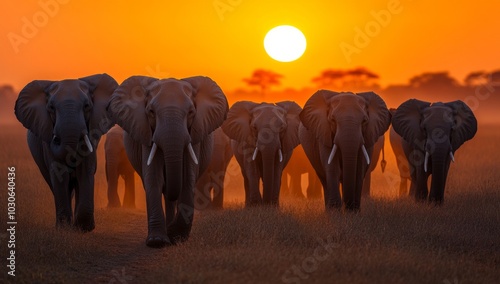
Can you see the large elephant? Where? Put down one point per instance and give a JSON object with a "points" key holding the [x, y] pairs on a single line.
{"points": [[169, 125], [118, 165], [338, 134], [65, 121], [264, 137], [377, 149], [297, 166], [431, 135], [210, 186]]}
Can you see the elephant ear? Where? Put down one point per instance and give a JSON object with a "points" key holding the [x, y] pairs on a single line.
{"points": [[314, 116], [465, 124], [406, 122], [211, 107], [31, 109], [127, 108], [237, 124], [101, 87], [379, 118], [290, 139]]}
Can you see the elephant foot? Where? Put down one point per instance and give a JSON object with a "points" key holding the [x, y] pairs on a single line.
{"points": [[157, 241], [178, 234], [85, 222]]}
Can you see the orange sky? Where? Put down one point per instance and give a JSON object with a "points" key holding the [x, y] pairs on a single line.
{"points": [[185, 38]]}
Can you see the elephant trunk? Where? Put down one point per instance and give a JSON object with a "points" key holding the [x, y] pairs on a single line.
{"points": [[269, 181], [173, 139], [349, 176], [351, 148], [70, 139], [439, 161]]}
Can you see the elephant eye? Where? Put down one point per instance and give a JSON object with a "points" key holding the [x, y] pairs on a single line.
{"points": [[51, 108], [87, 107]]}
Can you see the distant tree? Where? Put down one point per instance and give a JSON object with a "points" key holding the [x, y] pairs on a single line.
{"points": [[329, 77], [433, 80], [264, 79], [357, 78], [476, 78]]}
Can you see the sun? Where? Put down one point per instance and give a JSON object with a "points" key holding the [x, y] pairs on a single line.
{"points": [[285, 43]]}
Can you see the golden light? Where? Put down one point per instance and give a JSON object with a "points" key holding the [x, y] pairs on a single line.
{"points": [[285, 43]]}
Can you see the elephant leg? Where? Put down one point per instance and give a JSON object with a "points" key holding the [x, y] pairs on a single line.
{"points": [[285, 190], [157, 232], [366, 184], [129, 197], [252, 193], [84, 209], [421, 188], [332, 189], [60, 180], [295, 186], [202, 191], [314, 186], [112, 178], [179, 230], [218, 192], [403, 187]]}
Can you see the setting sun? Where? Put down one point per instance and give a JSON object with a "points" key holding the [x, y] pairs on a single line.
{"points": [[285, 43]]}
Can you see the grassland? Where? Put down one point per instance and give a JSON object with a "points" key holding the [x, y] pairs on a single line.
{"points": [[392, 240]]}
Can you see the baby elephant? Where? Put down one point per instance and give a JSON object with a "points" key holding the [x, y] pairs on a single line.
{"points": [[118, 165], [431, 134]]}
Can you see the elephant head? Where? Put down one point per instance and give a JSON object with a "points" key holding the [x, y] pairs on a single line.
{"points": [[438, 130], [171, 115], [348, 125], [66, 113], [271, 131]]}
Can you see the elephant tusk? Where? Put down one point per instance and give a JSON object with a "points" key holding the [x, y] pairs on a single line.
{"points": [[366, 154], [281, 155], [193, 155], [89, 145], [426, 160], [255, 154], [452, 157], [332, 153], [152, 154]]}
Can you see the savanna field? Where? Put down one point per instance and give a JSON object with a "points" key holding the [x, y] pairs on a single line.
{"points": [[392, 240]]}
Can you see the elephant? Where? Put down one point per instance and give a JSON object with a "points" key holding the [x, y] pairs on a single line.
{"points": [[298, 165], [213, 177], [169, 125], [338, 134], [264, 136], [65, 121], [431, 133], [377, 149], [118, 165], [403, 167]]}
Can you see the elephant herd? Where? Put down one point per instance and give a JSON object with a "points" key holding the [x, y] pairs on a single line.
{"points": [[179, 136]]}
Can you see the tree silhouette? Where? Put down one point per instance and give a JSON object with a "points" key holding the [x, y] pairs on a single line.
{"points": [[433, 80], [475, 78], [356, 78], [264, 79]]}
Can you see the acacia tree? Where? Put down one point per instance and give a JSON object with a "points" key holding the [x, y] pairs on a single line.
{"points": [[264, 79], [356, 78]]}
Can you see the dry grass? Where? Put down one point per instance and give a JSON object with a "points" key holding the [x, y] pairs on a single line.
{"points": [[391, 240]]}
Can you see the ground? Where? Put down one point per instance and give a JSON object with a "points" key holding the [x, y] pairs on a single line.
{"points": [[392, 240]]}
